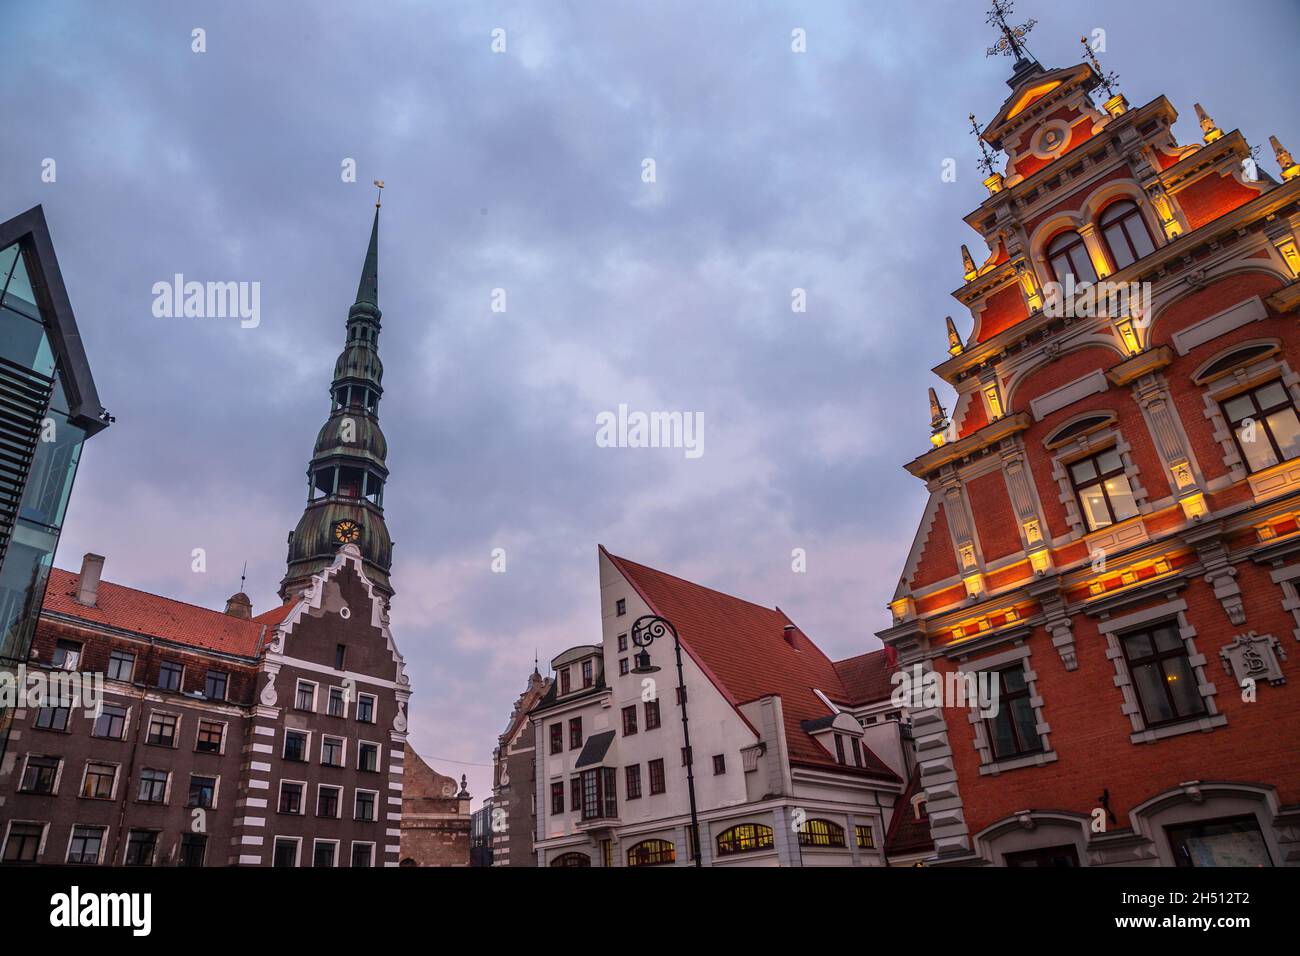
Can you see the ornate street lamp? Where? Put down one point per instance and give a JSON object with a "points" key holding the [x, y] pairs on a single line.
{"points": [[644, 631]]}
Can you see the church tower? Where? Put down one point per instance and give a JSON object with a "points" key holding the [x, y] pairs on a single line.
{"points": [[345, 480]]}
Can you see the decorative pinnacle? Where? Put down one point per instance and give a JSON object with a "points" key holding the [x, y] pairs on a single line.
{"points": [[938, 414], [1012, 41], [1289, 168], [1208, 130], [380, 195], [967, 263], [986, 158], [1108, 80], [954, 340]]}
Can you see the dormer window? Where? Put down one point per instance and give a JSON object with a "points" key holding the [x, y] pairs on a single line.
{"points": [[1125, 233], [565, 681], [588, 673], [1068, 256]]}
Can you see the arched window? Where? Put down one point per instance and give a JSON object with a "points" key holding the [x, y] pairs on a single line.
{"points": [[745, 838], [821, 833], [1235, 359], [571, 859], [652, 853], [1068, 256], [1125, 233]]}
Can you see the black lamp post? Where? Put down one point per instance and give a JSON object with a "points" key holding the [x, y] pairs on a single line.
{"points": [[644, 631]]}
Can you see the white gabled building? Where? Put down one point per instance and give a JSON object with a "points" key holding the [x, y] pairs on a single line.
{"points": [[797, 759]]}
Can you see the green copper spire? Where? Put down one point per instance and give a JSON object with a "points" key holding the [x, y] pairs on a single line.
{"points": [[368, 288], [348, 471]]}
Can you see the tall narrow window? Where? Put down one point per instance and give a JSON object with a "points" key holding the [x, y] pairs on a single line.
{"points": [[1068, 257], [657, 784], [557, 798], [557, 738], [629, 720], [588, 673], [1125, 233], [1264, 425], [214, 687], [169, 675], [1013, 732], [1103, 490]]}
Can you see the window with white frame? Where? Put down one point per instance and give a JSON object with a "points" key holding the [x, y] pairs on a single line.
{"points": [[305, 696], [366, 708], [23, 841], [332, 751], [41, 774], [364, 805], [1007, 713], [291, 797], [286, 850], [325, 853], [86, 845], [363, 854]]}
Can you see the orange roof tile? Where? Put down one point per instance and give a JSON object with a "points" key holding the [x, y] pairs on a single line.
{"points": [[742, 647], [866, 677], [154, 616]]}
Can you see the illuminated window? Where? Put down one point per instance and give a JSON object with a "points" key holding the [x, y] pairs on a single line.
{"points": [[1125, 233], [1162, 675], [652, 853], [571, 859], [745, 838], [1102, 488], [1013, 731], [866, 840], [821, 833], [1068, 256], [1264, 425]]}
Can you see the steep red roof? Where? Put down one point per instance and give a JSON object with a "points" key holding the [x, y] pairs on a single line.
{"points": [[742, 647], [276, 615], [866, 677], [909, 832], [143, 613]]}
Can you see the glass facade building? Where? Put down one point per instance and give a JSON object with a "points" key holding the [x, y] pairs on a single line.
{"points": [[48, 407]]}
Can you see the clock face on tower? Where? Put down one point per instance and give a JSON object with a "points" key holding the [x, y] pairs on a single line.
{"points": [[347, 531]]}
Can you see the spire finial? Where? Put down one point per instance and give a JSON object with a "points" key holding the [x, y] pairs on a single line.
{"points": [[1012, 41], [242, 575], [1108, 80], [380, 195], [986, 158]]}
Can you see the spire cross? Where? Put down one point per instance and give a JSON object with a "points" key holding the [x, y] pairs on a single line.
{"points": [[380, 195], [986, 162], [243, 574], [1012, 41], [1108, 80]]}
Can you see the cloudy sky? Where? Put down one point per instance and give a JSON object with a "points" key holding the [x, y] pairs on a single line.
{"points": [[522, 170]]}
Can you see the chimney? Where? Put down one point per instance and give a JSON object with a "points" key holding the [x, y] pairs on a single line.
{"points": [[92, 566], [238, 605], [790, 633]]}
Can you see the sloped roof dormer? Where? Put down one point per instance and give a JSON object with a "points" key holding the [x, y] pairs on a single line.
{"points": [[1047, 115]]}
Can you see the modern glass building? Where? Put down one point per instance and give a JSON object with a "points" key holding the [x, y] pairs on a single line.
{"points": [[48, 408]]}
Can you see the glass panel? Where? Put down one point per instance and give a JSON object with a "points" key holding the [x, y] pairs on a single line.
{"points": [[1109, 461], [1094, 507], [1182, 686], [1286, 431], [1254, 444], [1122, 501], [1238, 408], [1002, 736], [1013, 680], [1138, 235], [24, 342], [1167, 639], [7, 257], [1117, 242], [1137, 646], [1220, 843], [1150, 688], [1271, 394], [1026, 724], [1083, 271], [1083, 471], [53, 468], [20, 285]]}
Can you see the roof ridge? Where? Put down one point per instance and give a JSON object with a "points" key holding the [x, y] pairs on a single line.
{"points": [[703, 587], [162, 597]]}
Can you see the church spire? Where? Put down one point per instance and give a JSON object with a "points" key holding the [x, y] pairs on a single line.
{"points": [[348, 469]]}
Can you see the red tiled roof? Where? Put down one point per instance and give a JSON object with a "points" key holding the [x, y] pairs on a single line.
{"points": [[154, 616], [908, 832], [276, 615], [742, 647], [866, 677]]}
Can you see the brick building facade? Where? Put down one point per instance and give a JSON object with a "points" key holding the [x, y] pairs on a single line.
{"points": [[514, 781], [224, 738], [1113, 528]]}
